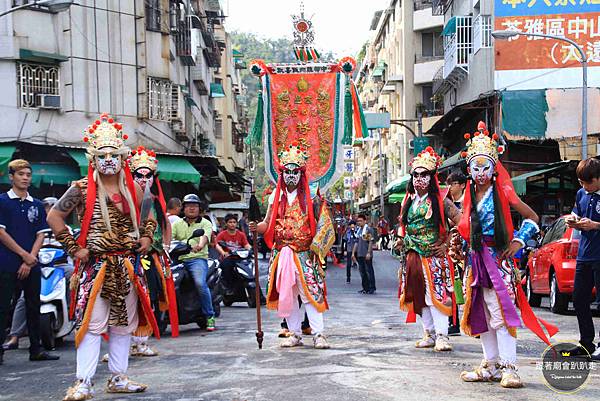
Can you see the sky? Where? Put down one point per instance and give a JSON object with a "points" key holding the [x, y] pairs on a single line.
{"points": [[340, 26]]}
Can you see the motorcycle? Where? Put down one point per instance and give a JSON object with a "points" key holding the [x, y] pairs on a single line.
{"points": [[54, 308], [188, 300], [242, 287]]}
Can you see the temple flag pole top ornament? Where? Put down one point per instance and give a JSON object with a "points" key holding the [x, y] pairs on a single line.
{"points": [[312, 103]]}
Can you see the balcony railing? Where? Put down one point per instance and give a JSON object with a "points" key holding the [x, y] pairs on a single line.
{"points": [[439, 7], [482, 32], [458, 46], [426, 59], [422, 4]]}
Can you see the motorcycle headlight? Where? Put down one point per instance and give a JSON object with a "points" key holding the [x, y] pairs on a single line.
{"points": [[242, 272], [46, 257]]}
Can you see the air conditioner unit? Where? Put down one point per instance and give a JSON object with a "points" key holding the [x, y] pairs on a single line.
{"points": [[411, 144], [44, 101]]}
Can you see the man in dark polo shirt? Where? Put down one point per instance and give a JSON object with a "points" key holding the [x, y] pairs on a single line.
{"points": [[586, 218], [22, 229]]}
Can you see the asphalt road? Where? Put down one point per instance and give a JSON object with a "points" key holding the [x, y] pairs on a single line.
{"points": [[372, 358]]}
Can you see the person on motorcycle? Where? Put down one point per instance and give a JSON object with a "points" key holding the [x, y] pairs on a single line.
{"points": [[234, 240], [109, 294], [196, 262]]}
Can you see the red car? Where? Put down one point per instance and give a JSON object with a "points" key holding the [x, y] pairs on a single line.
{"points": [[551, 267]]}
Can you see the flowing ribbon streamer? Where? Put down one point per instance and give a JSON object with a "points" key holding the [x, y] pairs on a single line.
{"points": [[286, 279]]}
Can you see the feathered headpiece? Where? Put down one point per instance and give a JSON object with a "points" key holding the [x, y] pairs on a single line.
{"points": [[105, 132], [295, 154], [142, 157], [481, 144], [427, 159]]}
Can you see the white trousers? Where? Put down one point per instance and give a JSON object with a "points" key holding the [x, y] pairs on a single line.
{"points": [[497, 343], [119, 341], [434, 320], [139, 340], [295, 319]]}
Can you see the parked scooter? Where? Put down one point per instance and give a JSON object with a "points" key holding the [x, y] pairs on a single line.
{"points": [[242, 287], [54, 308], [188, 300]]}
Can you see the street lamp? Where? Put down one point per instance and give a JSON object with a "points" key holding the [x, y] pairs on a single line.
{"points": [[506, 34], [54, 6]]}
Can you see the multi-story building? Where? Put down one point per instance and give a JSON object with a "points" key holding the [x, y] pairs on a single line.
{"points": [[150, 63], [396, 75]]}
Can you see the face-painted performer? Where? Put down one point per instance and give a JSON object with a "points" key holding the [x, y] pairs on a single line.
{"points": [[427, 279], [289, 228], [109, 295], [144, 165], [492, 283]]}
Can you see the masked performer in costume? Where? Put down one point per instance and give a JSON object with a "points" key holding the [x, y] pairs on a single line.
{"points": [[144, 165], [492, 283], [427, 279], [295, 270], [109, 295]]}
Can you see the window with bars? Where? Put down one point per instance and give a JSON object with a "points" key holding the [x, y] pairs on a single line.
{"points": [[482, 32], [35, 80], [218, 128], [153, 15], [160, 99]]}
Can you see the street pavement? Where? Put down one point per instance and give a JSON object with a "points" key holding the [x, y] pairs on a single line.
{"points": [[372, 358]]}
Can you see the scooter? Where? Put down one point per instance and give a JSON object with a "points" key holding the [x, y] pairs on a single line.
{"points": [[243, 286], [54, 308], [188, 300]]}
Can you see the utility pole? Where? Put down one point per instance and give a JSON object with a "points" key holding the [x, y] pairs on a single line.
{"points": [[381, 175]]}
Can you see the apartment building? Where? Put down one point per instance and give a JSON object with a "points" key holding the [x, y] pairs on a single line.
{"points": [[396, 76], [150, 63]]}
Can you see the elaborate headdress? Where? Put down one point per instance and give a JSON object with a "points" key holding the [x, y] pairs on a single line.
{"points": [[142, 157], [481, 144], [295, 154], [427, 159], [105, 132]]}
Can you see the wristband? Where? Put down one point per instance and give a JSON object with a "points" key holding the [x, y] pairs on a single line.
{"points": [[526, 232], [68, 242], [148, 229]]}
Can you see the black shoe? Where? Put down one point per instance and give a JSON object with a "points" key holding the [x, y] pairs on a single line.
{"points": [[454, 330], [362, 292], [10, 345], [347, 281], [44, 356]]}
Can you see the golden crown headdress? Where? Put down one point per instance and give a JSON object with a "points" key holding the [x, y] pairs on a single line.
{"points": [[427, 159], [482, 144], [295, 154], [143, 158], [103, 132]]}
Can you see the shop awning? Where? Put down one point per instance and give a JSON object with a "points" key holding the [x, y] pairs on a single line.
{"points": [[398, 185], [520, 182], [379, 70], [79, 156], [177, 169], [216, 90], [451, 161], [396, 198], [6, 152], [450, 27], [53, 174]]}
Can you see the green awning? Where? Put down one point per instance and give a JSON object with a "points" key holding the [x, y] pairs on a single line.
{"points": [[216, 90], [397, 198], [41, 57], [450, 28], [524, 113], [53, 174], [6, 153], [379, 70], [398, 185], [237, 53], [79, 156], [177, 169], [520, 182]]}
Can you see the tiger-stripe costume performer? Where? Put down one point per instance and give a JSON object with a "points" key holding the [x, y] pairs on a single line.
{"points": [[108, 291]]}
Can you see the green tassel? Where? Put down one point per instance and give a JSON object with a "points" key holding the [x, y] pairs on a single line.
{"points": [[458, 291], [255, 137], [347, 139]]}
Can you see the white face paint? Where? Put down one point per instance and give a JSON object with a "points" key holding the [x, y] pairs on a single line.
{"points": [[291, 177], [108, 164], [421, 178], [143, 176], [482, 170]]}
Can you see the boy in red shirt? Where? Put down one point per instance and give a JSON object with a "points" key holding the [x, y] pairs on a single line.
{"points": [[233, 239]]}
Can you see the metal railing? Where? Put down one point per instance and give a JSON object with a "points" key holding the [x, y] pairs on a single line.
{"points": [[458, 46], [36, 79], [422, 4], [482, 32], [439, 7]]}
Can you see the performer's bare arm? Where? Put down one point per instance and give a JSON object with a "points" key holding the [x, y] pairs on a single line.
{"points": [[59, 214], [452, 212]]}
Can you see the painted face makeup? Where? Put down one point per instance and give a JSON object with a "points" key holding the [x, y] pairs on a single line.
{"points": [[421, 179], [482, 170], [291, 177], [143, 176], [108, 164]]}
